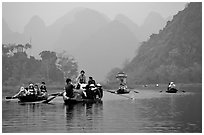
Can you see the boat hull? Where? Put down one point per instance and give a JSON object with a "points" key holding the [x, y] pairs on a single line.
{"points": [[173, 90], [80, 100], [32, 98], [122, 91]]}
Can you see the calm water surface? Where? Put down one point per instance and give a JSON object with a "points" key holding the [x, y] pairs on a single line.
{"points": [[149, 111]]}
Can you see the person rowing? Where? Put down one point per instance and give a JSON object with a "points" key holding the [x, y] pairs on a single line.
{"points": [[22, 92], [69, 89]]}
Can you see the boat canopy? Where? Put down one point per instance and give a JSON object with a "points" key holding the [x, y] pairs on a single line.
{"points": [[121, 75]]}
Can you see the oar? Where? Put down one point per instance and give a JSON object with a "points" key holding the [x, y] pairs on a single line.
{"points": [[136, 91], [54, 94], [183, 91], [11, 97], [50, 99], [180, 87], [119, 94], [161, 91]]}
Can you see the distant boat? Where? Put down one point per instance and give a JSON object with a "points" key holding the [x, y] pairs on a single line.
{"points": [[121, 76], [172, 90], [122, 90]]}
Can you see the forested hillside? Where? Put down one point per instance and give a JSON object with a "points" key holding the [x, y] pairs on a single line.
{"points": [[18, 68], [175, 54]]}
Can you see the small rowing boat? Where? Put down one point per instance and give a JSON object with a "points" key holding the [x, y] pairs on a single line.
{"points": [[32, 98], [172, 90], [122, 77], [122, 91], [78, 99]]}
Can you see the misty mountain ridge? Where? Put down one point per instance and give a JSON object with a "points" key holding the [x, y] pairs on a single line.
{"points": [[110, 47], [175, 54], [152, 24], [76, 30], [84, 25], [8, 36]]}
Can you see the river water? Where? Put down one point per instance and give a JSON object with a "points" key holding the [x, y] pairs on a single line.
{"points": [[149, 111]]}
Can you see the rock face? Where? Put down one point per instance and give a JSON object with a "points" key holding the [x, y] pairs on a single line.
{"points": [[175, 54]]}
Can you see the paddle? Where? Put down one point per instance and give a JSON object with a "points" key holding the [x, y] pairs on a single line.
{"points": [[119, 94], [11, 97], [161, 91], [136, 91], [180, 87], [54, 96]]}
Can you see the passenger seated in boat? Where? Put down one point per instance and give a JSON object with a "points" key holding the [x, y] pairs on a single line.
{"points": [[69, 88], [171, 85], [89, 92], [91, 81], [31, 90], [36, 88], [43, 89], [95, 91], [100, 90], [81, 79]]}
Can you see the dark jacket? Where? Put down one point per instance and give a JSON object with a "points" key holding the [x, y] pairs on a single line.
{"points": [[91, 82], [69, 88], [43, 88]]}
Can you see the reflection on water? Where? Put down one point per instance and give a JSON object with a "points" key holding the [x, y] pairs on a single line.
{"points": [[83, 117], [151, 111]]}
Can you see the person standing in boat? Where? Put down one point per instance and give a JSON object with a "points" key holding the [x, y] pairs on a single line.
{"points": [[43, 88], [81, 79], [69, 88]]}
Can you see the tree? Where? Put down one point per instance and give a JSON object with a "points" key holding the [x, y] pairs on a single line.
{"points": [[48, 61], [67, 64]]}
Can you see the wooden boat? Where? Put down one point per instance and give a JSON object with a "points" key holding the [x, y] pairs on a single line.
{"points": [[122, 91], [32, 98], [121, 76], [172, 90], [76, 99], [36, 98], [119, 91]]}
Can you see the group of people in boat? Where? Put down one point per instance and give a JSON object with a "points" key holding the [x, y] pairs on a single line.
{"points": [[84, 90], [33, 89]]}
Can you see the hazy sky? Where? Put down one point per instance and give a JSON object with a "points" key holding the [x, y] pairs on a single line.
{"points": [[18, 14]]}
